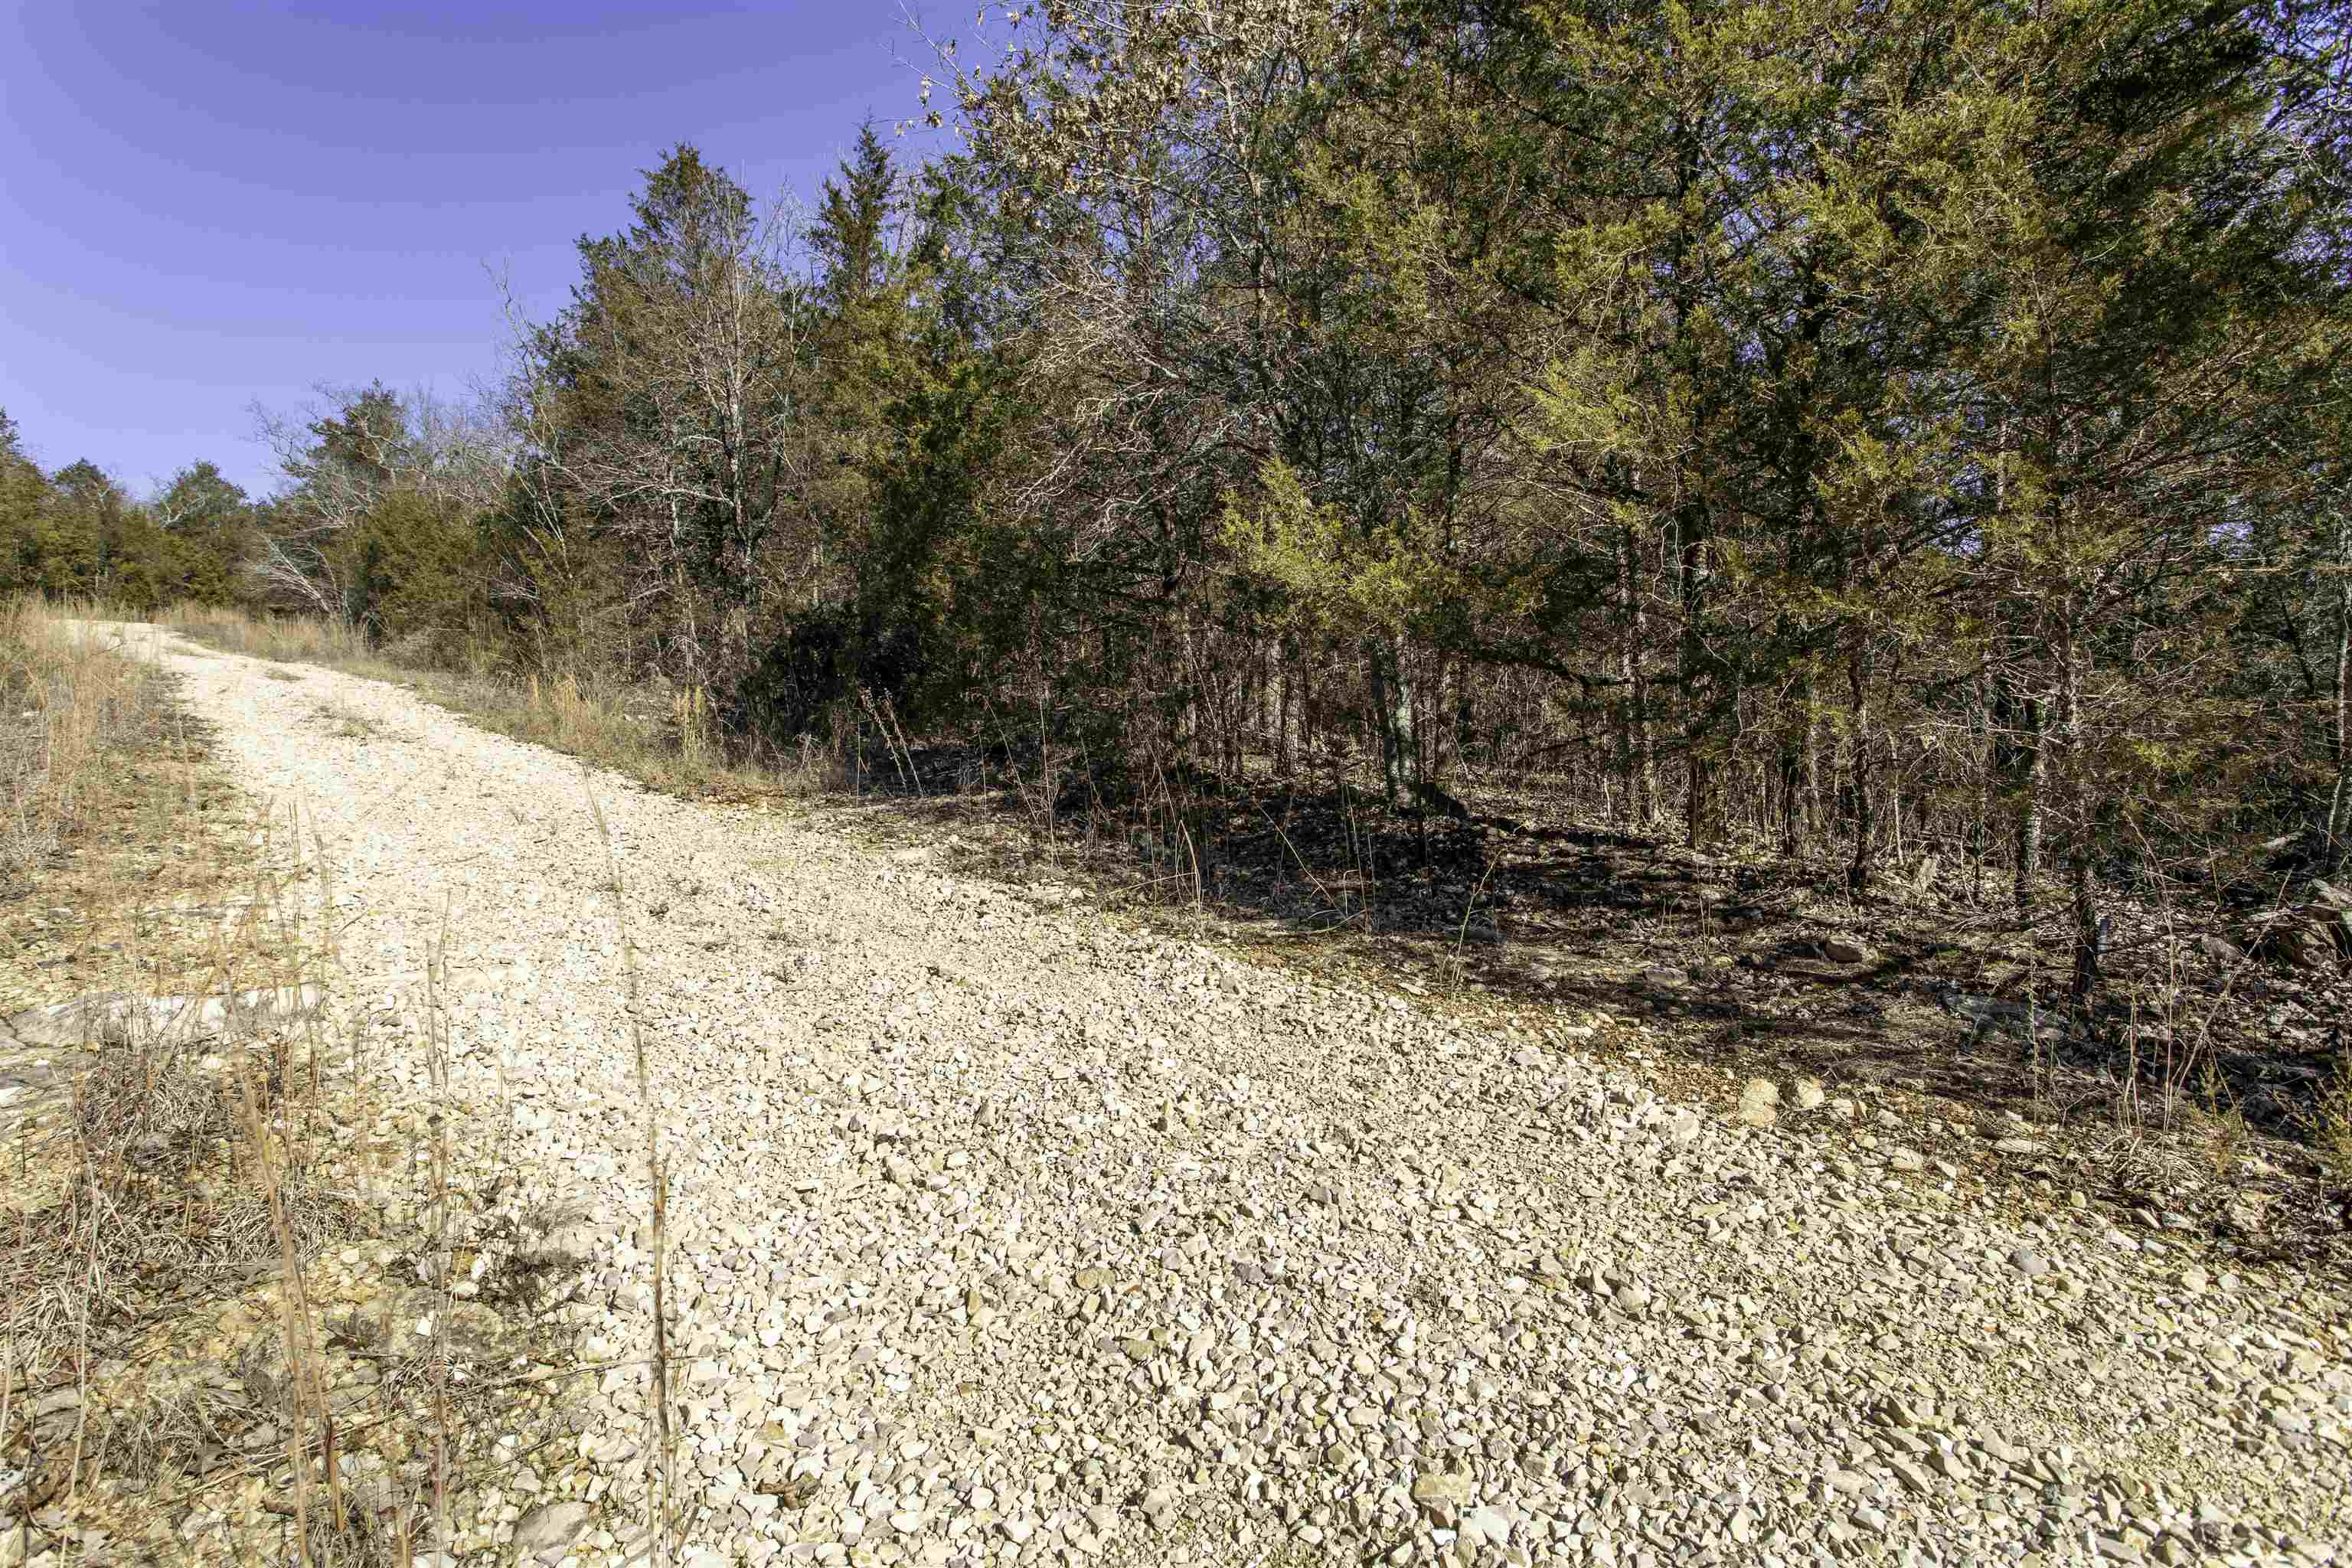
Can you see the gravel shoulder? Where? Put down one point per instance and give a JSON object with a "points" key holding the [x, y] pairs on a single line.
{"points": [[1000, 1232]]}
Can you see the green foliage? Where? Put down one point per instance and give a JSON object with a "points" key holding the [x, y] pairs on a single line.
{"points": [[209, 523], [366, 439], [77, 532], [1745, 391], [1331, 571], [418, 569], [665, 417], [28, 547], [851, 236], [950, 590]]}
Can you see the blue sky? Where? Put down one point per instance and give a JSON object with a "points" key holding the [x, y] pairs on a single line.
{"points": [[206, 203]]}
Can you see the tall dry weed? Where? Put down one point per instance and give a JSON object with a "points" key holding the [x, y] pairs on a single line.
{"points": [[160, 1168], [75, 709], [669, 743], [311, 639], [177, 1189]]}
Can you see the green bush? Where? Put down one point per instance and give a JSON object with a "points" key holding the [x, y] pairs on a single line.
{"points": [[419, 570]]}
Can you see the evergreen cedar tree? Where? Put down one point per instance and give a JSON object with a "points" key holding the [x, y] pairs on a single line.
{"points": [[1838, 421]]}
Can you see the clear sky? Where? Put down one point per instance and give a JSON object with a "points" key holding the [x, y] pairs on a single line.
{"points": [[204, 203]]}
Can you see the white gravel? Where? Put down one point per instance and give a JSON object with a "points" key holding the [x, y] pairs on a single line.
{"points": [[1011, 1235]]}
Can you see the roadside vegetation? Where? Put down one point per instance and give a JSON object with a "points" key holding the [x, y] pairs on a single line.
{"points": [[661, 737], [217, 1249]]}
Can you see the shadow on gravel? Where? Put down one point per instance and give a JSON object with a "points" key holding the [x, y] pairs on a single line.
{"points": [[2195, 1093]]}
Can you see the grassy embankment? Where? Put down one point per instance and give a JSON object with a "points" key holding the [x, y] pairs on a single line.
{"points": [[216, 1241]]}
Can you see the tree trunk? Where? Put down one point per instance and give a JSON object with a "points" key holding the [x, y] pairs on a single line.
{"points": [[1786, 787], [1465, 722], [2017, 759], [2083, 909], [1690, 591], [2072, 786], [1640, 764], [2028, 811], [1857, 871], [2339, 806], [1813, 723], [1392, 699], [1286, 709], [1796, 769], [1980, 828]]}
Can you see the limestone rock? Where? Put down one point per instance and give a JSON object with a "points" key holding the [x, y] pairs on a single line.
{"points": [[547, 1533], [1758, 1103]]}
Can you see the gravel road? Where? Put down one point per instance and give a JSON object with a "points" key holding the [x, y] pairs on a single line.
{"points": [[1002, 1232]]}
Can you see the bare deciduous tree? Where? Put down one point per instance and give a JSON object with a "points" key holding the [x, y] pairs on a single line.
{"points": [[670, 405], [341, 453]]}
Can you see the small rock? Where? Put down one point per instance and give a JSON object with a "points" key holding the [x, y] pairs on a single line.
{"points": [[1442, 1486], [547, 1532], [1808, 1093], [1757, 1101], [1485, 1526]]}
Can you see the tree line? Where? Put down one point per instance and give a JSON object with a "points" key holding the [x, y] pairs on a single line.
{"points": [[79, 533], [1865, 426]]}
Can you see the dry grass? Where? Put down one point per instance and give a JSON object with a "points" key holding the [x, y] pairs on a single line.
{"points": [[77, 714], [665, 741], [175, 1327], [282, 639], [155, 1171], [662, 1463]]}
